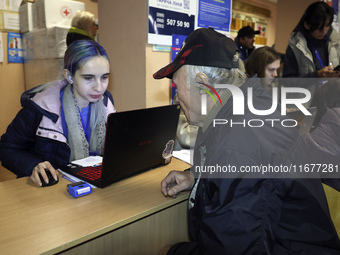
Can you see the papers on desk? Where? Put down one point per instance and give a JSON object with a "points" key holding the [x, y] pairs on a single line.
{"points": [[89, 161], [184, 155], [85, 162]]}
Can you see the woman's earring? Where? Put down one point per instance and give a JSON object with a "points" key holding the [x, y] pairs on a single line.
{"points": [[70, 79]]}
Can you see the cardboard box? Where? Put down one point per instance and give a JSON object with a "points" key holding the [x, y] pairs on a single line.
{"points": [[50, 13], [26, 18], [44, 43], [41, 71]]}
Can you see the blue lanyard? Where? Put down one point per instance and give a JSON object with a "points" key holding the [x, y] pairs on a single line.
{"points": [[317, 56]]}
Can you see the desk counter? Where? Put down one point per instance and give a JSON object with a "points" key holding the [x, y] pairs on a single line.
{"points": [[128, 217]]}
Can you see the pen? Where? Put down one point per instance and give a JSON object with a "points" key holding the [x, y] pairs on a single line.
{"points": [[67, 178]]}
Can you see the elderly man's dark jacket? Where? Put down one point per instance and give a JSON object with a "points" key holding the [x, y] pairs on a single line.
{"points": [[242, 213]]}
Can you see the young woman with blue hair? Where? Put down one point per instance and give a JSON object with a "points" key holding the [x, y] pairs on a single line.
{"points": [[64, 120]]}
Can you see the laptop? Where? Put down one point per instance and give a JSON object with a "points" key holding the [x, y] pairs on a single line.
{"points": [[305, 123], [135, 141]]}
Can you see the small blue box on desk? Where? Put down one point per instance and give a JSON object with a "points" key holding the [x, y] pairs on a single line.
{"points": [[79, 189]]}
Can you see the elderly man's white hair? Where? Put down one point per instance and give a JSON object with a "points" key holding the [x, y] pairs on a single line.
{"points": [[217, 75]]}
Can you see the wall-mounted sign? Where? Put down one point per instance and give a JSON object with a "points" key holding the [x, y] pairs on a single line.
{"points": [[177, 41], [215, 14], [15, 52], [167, 17]]}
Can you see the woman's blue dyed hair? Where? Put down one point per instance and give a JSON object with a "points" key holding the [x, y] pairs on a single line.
{"points": [[81, 51]]}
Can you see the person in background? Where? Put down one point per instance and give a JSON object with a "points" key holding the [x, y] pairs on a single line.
{"points": [[238, 212], [64, 120], [326, 97], [245, 41], [263, 62], [83, 27], [312, 49], [324, 139]]}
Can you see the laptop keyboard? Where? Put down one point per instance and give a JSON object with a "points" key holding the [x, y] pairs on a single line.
{"points": [[92, 172]]}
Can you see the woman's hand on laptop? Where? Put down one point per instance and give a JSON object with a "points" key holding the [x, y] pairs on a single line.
{"points": [[177, 181], [41, 169]]}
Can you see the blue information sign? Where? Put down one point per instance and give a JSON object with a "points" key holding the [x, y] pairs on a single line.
{"points": [[215, 14], [168, 17], [177, 41], [15, 52], [164, 22]]}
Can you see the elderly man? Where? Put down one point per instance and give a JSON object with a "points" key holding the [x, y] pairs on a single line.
{"points": [[232, 211]]}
